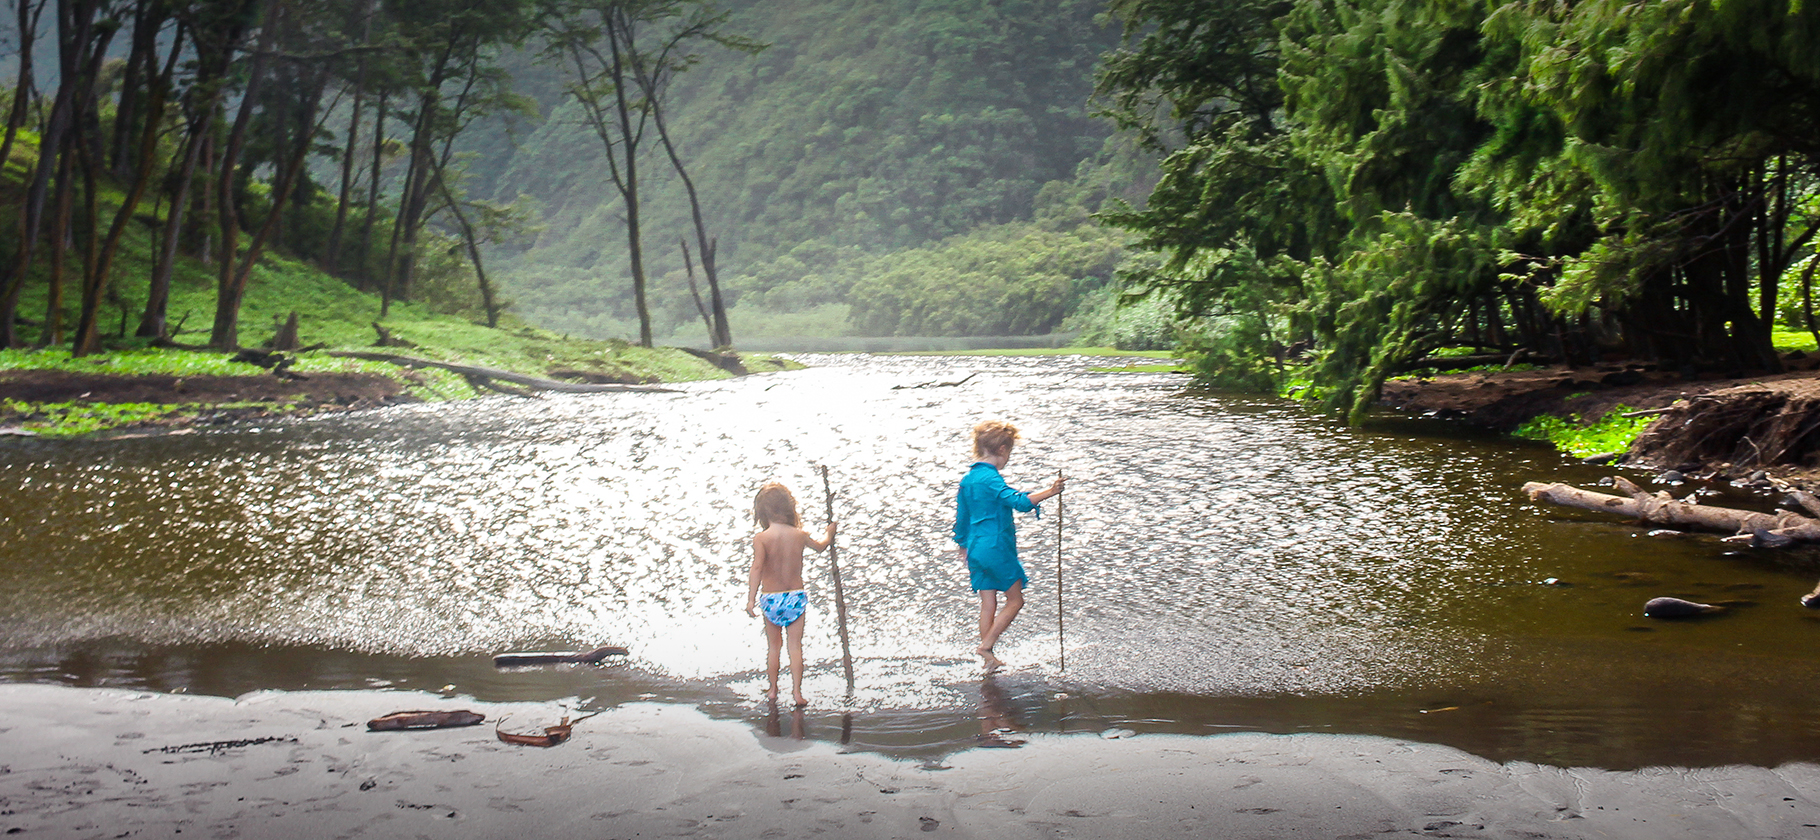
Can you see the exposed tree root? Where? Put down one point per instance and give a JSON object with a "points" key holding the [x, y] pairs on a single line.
{"points": [[1749, 427]]}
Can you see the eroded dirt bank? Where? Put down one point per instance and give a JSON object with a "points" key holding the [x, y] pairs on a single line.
{"points": [[1724, 426]]}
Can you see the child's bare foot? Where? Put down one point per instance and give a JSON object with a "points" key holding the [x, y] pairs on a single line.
{"points": [[771, 695], [991, 662], [801, 701]]}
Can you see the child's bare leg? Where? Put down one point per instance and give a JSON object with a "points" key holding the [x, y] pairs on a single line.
{"points": [[1014, 601], [774, 639], [988, 611], [988, 617], [795, 632]]}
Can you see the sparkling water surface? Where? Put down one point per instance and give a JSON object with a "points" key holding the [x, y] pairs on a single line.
{"points": [[1228, 563]]}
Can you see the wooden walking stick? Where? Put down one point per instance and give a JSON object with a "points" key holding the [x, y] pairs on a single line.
{"points": [[840, 596], [1061, 640]]}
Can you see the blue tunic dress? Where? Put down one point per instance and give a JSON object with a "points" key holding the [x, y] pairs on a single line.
{"points": [[982, 526]]}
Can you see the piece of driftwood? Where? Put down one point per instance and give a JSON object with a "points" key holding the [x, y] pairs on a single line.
{"points": [[552, 735], [961, 381], [1763, 529], [502, 375], [586, 657], [424, 720]]}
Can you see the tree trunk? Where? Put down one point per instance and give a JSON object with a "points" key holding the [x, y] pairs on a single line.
{"points": [[366, 224], [473, 243], [88, 339], [225, 334], [75, 27], [1662, 509], [158, 291], [281, 192], [635, 252], [28, 15]]}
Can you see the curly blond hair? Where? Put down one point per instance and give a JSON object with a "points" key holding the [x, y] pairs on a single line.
{"points": [[774, 503], [991, 436]]}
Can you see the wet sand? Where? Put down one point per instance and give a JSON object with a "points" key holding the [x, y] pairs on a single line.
{"points": [[111, 763]]}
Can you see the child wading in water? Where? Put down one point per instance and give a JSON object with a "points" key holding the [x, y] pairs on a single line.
{"points": [[983, 529], [776, 582]]}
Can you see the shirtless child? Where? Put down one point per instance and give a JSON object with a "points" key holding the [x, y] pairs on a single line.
{"points": [[776, 582]]}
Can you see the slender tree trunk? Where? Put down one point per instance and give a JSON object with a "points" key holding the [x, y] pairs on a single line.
{"points": [[281, 192], [617, 28], [28, 15], [158, 291], [52, 332], [88, 339], [366, 224], [332, 255], [75, 26], [472, 241], [720, 333], [225, 334]]}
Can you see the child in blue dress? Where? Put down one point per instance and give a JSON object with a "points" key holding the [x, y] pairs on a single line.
{"points": [[775, 584], [988, 541]]}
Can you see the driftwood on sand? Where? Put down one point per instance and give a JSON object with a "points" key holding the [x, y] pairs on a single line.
{"points": [[487, 375], [551, 736], [1761, 529], [586, 657], [424, 720]]}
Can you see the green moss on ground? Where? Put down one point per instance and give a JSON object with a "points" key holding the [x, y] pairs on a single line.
{"points": [[1612, 433]]}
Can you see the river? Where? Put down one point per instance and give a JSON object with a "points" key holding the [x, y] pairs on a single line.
{"points": [[1229, 563]]}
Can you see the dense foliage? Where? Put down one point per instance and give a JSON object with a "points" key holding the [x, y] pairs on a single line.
{"points": [[1378, 180]]}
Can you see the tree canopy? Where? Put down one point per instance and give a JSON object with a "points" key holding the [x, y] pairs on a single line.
{"points": [[1578, 180]]}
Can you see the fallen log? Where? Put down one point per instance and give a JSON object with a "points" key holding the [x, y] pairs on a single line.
{"points": [[419, 719], [589, 657], [1662, 509], [502, 375]]}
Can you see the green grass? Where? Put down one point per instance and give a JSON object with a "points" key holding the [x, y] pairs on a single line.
{"points": [[1612, 433], [1786, 340], [62, 420]]}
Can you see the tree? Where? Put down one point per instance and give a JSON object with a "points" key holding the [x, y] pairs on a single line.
{"points": [[653, 74], [623, 53], [452, 79]]}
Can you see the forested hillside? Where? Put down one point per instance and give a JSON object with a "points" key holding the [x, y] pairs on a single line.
{"points": [[867, 128]]}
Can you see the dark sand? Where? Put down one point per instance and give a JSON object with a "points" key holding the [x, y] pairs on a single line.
{"points": [[107, 763]]}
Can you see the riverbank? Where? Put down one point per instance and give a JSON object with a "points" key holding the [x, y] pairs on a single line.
{"points": [[110, 763], [1503, 401], [163, 389]]}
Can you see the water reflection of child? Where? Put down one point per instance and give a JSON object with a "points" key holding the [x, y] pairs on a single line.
{"points": [[984, 531], [775, 584]]}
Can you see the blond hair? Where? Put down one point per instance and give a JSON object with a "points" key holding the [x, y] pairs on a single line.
{"points": [[991, 436], [775, 504]]}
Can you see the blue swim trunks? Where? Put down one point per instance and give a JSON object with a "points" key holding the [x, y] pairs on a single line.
{"points": [[783, 608]]}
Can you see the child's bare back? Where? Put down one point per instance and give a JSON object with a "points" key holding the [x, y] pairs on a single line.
{"points": [[779, 552]]}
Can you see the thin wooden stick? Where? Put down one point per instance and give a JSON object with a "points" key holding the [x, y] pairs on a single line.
{"points": [[1060, 639], [840, 596]]}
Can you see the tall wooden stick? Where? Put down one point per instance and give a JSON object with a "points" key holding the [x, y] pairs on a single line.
{"points": [[1060, 639], [840, 595]]}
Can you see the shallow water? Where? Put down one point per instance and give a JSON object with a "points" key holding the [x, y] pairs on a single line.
{"points": [[1230, 563]]}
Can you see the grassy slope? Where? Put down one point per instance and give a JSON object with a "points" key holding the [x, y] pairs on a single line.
{"points": [[330, 312]]}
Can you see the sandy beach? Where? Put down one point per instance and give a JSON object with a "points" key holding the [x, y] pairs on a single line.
{"points": [[111, 763]]}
